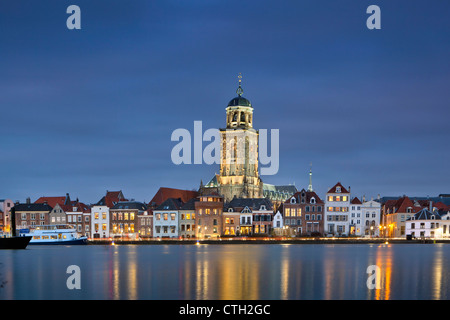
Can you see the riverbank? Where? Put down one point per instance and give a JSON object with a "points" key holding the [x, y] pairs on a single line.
{"points": [[265, 241]]}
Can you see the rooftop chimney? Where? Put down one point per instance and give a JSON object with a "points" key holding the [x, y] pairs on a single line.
{"points": [[28, 200]]}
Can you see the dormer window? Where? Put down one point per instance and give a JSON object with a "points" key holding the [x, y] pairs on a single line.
{"points": [[292, 200], [313, 200], [408, 210], [338, 189], [263, 207], [230, 209]]}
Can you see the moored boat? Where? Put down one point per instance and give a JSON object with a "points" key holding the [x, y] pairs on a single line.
{"points": [[53, 234], [14, 242]]}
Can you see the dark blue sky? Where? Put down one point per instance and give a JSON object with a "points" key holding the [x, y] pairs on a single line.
{"points": [[90, 110]]}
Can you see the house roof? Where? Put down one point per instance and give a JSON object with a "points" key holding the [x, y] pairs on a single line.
{"points": [[401, 205], [333, 189], [252, 203], [170, 204], [80, 207], [130, 205], [52, 201], [425, 214], [307, 197], [190, 205], [33, 207], [355, 200], [111, 198], [165, 193]]}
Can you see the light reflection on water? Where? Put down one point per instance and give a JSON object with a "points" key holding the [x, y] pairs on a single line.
{"points": [[231, 272]]}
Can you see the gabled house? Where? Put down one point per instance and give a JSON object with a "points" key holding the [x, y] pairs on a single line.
{"points": [[427, 224], [303, 214], [395, 212], [337, 202], [254, 215]]}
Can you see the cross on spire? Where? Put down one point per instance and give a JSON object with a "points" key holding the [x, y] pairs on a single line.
{"points": [[239, 90]]}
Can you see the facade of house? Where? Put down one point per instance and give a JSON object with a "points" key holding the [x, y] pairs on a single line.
{"points": [[5, 215], [57, 215], [145, 224], [100, 225], [32, 214], [249, 216], [356, 218], [395, 213], [371, 217], [427, 224], [78, 215], [278, 225], [303, 214], [209, 216], [186, 219], [165, 218], [337, 202], [124, 219]]}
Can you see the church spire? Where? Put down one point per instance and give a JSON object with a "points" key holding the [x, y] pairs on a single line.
{"points": [[310, 188], [239, 90]]}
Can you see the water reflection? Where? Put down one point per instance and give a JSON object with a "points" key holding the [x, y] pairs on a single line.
{"points": [[229, 272]]}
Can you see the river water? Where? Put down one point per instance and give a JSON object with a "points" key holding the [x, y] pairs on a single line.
{"points": [[228, 271]]}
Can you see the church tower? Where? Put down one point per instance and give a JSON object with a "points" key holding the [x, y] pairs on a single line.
{"points": [[239, 176]]}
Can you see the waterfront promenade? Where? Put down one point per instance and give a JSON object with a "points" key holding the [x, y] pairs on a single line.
{"points": [[268, 240]]}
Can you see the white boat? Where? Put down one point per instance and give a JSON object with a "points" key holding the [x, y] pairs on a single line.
{"points": [[53, 234]]}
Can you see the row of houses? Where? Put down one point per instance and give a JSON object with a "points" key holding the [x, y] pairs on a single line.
{"points": [[175, 213]]}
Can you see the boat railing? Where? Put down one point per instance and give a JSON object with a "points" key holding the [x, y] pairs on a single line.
{"points": [[50, 227]]}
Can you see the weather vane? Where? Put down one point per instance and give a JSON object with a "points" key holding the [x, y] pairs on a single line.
{"points": [[239, 90]]}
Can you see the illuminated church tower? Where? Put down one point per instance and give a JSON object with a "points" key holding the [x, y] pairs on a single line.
{"points": [[239, 176]]}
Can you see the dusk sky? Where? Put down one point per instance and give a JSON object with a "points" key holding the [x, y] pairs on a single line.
{"points": [[90, 110]]}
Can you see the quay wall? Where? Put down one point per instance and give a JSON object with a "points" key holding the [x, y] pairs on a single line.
{"points": [[264, 241]]}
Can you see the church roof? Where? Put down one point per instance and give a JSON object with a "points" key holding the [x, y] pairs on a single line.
{"points": [[239, 101]]}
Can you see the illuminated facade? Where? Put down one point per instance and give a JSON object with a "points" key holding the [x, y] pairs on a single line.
{"points": [[239, 176], [209, 216], [337, 202]]}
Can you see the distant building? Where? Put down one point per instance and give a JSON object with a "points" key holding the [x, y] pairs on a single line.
{"points": [[337, 203], [239, 176]]}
